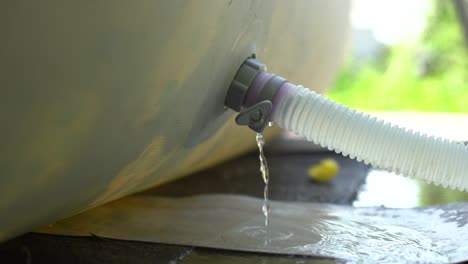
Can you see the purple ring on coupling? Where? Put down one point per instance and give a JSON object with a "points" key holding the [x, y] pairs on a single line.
{"points": [[279, 98], [257, 86]]}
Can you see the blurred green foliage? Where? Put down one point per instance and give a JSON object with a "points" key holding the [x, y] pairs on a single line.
{"points": [[430, 75], [430, 194]]}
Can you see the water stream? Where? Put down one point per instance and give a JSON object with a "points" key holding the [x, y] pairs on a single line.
{"points": [[265, 177]]}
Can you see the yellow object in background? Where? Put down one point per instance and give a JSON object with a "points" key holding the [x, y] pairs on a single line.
{"points": [[325, 171]]}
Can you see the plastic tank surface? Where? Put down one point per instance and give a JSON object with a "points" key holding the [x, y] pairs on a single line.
{"points": [[100, 99]]}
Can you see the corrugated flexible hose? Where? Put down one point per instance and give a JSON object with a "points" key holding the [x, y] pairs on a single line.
{"points": [[373, 141]]}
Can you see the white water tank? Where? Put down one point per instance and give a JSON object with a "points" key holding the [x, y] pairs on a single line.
{"points": [[100, 99]]}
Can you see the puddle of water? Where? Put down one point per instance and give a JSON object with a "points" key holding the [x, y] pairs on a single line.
{"points": [[433, 235], [376, 234]]}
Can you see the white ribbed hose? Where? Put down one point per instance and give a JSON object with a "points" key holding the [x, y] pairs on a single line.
{"points": [[373, 141]]}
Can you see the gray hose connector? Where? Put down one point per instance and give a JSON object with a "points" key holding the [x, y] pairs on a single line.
{"points": [[243, 79], [253, 93]]}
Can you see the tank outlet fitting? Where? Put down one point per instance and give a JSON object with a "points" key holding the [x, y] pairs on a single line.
{"points": [[255, 94]]}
